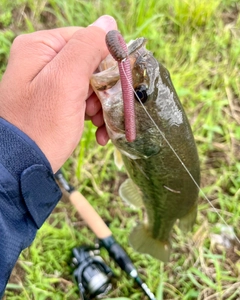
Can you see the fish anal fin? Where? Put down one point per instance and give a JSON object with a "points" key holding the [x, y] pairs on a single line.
{"points": [[142, 241], [130, 193], [186, 223]]}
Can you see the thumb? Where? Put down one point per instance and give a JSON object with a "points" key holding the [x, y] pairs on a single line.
{"points": [[85, 50]]}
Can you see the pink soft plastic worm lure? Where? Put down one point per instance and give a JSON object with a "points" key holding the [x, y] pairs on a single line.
{"points": [[118, 49]]}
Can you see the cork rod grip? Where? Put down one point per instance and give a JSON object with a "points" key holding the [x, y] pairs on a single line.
{"points": [[89, 215]]}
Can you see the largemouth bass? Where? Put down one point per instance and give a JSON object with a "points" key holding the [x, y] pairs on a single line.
{"points": [[157, 179]]}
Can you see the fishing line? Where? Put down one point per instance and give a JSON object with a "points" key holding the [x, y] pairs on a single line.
{"points": [[178, 157]]}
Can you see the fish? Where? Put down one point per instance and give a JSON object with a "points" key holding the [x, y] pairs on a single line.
{"points": [[157, 181]]}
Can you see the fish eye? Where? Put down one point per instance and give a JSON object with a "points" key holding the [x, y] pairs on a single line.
{"points": [[141, 93]]}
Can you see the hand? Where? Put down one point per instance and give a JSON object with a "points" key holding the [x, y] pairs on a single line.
{"points": [[45, 90]]}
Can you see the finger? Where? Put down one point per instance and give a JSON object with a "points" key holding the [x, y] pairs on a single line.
{"points": [[85, 50], [55, 39], [81, 55], [93, 105], [42, 46], [34, 51], [98, 120], [102, 136]]}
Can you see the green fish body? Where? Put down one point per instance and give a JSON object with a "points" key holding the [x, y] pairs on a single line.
{"points": [[157, 180]]}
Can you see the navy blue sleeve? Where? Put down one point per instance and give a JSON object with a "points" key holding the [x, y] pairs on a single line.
{"points": [[28, 194]]}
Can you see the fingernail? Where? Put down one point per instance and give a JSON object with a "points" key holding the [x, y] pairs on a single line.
{"points": [[106, 23]]}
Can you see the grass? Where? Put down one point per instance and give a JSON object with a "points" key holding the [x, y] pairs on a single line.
{"points": [[199, 43]]}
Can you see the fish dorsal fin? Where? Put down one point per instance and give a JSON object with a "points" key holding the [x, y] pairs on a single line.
{"points": [[118, 158], [130, 193]]}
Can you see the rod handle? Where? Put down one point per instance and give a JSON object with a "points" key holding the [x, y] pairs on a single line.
{"points": [[89, 215]]}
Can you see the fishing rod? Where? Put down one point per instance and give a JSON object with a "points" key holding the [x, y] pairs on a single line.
{"points": [[103, 233]]}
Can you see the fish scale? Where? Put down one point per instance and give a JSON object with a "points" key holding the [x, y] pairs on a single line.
{"points": [[155, 197]]}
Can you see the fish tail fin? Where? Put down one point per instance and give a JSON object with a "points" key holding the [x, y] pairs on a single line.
{"points": [[186, 223], [142, 241]]}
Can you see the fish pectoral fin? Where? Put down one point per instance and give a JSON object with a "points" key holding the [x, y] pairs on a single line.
{"points": [[142, 241], [186, 223], [130, 193], [118, 158]]}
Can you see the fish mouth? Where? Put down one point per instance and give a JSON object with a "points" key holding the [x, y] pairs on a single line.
{"points": [[106, 84], [107, 74]]}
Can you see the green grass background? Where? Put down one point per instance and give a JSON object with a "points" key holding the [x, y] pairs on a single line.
{"points": [[199, 42]]}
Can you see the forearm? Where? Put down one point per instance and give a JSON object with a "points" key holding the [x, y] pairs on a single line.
{"points": [[28, 194]]}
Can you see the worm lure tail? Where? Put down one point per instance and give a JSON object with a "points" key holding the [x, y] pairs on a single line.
{"points": [[119, 51]]}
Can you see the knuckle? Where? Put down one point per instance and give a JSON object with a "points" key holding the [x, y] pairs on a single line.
{"points": [[19, 42], [19, 39]]}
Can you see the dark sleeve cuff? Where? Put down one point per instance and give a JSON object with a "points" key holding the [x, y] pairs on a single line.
{"points": [[28, 194], [35, 191]]}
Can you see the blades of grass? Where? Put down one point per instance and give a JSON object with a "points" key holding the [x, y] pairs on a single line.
{"points": [[194, 281], [141, 29], [121, 298], [194, 13], [160, 289], [205, 279], [29, 24], [13, 286], [191, 294]]}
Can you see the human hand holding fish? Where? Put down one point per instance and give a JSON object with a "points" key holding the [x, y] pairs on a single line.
{"points": [[48, 95]]}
